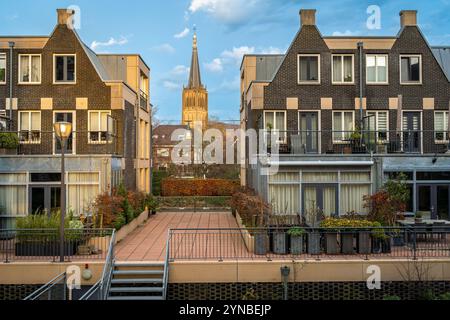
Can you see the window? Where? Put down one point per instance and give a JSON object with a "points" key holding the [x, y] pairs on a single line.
{"points": [[379, 125], [29, 68], [30, 127], [343, 69], [441, 126], [309, 69], [276, 120], [98, 127], [343, 125], [377, 69], [2, 68], [411, 69], [64, 68]]}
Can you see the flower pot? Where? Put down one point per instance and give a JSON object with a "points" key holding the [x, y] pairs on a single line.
{"points": [[418, 220], [347, 150], [364, 243], [332, 243], [347, 243], [314, 243], [261, 243], [279, 243], [381, 149], [297, 245], [381, 246]]}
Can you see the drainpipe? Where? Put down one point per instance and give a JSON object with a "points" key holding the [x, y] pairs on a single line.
{"points": [[11, 48], [361, 115]]}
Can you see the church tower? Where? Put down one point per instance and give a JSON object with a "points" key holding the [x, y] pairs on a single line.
{"points": [[195, 95]]}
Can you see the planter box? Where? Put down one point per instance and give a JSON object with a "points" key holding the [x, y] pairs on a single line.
{"points": [[279, 242], [332, 243], [347, 243], [44, 249], [261, 243], [364, 243], [249, 240], [314, 243], [381, 246], [127, 229], [297, 245]]}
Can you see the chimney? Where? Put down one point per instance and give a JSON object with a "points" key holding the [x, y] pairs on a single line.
{"points": [[307, 17], [65, 16], [408, 18]]}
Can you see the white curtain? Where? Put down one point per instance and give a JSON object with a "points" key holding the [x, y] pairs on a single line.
{"points": [[329, 201], [351, 198], [82, 190], [285, 199], [13, 200], [355, 176], [314, 177], [285, 177]]}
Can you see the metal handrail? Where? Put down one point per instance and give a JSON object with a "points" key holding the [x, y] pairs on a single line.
{"points": [[45, 288], [166, 265]]}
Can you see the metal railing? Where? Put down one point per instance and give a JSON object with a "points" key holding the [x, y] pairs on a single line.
{"points": [[314, 244], [54, 290], [312, 142], [166, 266], [143, 100], [43, 244], [100, 290], [46, 143]]}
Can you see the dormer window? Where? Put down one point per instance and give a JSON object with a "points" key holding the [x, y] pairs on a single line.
{"points": [[309, 69], [410, 69], [64, 68]]}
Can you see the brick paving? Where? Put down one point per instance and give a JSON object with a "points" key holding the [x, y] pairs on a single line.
{"points": [[148, 243]]}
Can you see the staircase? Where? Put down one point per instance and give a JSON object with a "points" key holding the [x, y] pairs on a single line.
{"points": [[138, 281]]}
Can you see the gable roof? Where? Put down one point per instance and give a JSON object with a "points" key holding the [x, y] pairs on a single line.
{"points": [[442, 55]]}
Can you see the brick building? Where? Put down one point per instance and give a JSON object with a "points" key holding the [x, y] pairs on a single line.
{"points": [[349, 113], [105, 97]]}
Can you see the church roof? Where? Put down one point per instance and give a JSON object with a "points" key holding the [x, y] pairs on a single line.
{"points": [[195, 80]]}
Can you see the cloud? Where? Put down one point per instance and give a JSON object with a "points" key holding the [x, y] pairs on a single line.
{"points": [[164, 48], [179, 70], [214, 66], [182, 34], [111, 42], [237, 53], [231, 85], [346, 33], [272, 50], [226, 11], [171, 85]]}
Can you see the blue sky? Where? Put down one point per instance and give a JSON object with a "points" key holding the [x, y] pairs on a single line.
{"points": [[161, 31]]}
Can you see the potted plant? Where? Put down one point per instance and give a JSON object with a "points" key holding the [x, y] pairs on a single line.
{"points": [[355, 141], [279, 241], [381, 147], [152, 204], [381, 242], [313, 218], [297, 235], [9, 142], [419, 217], [261, 242], [331, 236]]}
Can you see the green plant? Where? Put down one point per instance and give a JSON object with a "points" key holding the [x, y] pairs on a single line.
{"points": [[152, 203], [250, 295], [392, 298], [445, 296], [296, 232], [356, 135], [9, 140], [419, 215]]}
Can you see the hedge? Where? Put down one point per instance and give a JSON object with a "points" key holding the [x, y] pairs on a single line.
{"points": [[198, 187]]}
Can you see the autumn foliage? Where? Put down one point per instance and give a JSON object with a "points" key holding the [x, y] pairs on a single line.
{"points": [[198, 187]]}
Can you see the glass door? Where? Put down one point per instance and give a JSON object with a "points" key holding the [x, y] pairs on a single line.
{"points": [[319, 199], [309, 126], [411, 132], [442, 202], [64, 117], [45, 199], [433, 201], [37, 200]]}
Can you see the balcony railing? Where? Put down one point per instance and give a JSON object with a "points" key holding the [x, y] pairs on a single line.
{"points": [[349, 142], [143, 100], [46, 143], [43, 245], [314, 244]]}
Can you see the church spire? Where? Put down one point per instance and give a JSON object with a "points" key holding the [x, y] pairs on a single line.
{"points": [[195, 80]]}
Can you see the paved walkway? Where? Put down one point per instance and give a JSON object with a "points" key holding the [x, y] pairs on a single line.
{"points": [[148, 243]]}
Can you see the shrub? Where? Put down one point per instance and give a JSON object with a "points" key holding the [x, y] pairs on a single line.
{"points": [[157, 178], [108, 209], [199, 187], [9, 140], [347, 223], [392, 298], [296, 232], [251, 207]]}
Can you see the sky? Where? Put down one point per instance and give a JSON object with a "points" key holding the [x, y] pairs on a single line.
{"points": [[161, 32]]}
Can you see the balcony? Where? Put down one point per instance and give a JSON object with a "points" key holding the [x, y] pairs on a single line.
{"points": [[348, 142], [45, 143], [143, 100]]}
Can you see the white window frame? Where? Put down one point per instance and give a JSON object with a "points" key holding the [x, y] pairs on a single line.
{"points": [[446, 127], [343, 125], [19, 68], [6, 67], [99, 132], [19, 131], [377, 128], [342, 82], [376, 82], [315, 82], [57, 82], [420, 69], [281, 140]]}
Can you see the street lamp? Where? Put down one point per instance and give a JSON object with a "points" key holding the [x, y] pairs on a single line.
{"points": [[63, 130]]}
